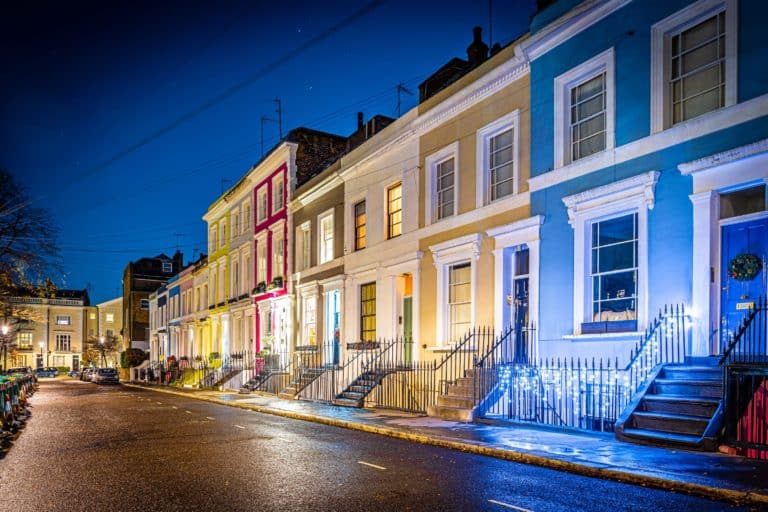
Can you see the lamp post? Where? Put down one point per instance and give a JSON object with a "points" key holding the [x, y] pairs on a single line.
{"points": [[42, 344], [4, 329], [101, 351]]}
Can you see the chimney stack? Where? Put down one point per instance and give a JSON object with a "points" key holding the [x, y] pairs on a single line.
{"points": [[359, 120], [477, 52]]}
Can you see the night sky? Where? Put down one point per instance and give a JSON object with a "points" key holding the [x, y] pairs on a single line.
{"points": [[97, 101]]}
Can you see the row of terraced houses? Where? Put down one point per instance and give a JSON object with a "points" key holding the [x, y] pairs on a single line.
{"points": [[554, 219]]}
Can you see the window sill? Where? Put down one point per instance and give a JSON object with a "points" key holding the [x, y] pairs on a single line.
{"points": [[606, 336]]}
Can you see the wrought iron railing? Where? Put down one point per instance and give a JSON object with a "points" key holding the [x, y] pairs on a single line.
{"points": [[748, 344], [745, 393], [580, 393]]}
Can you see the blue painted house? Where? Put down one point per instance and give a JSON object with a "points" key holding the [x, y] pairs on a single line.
{"points": [[649, 165]]}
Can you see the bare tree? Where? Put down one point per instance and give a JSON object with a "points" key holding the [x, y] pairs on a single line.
{"points": [[98, 348]]}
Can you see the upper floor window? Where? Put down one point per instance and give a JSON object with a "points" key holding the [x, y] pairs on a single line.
{"points": [[235, 224], [63, 320], [167, 267], [24, 340], [110, 317], [261, 204], [693, 62], [213, 243], [325, 236], [278, 193], [359, 214], [442, 186], [584, 109], [247, 215], [144, 304], [63, 342], [222, 233], [303, 247], [395, 210]]}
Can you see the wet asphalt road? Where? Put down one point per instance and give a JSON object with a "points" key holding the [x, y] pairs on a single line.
{"points": [[91, 448]]}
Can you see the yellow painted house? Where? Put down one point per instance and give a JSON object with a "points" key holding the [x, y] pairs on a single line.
{"points": [[479, 245], [217, 218]]}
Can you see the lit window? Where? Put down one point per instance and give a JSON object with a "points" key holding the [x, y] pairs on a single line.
{"points": [[144, 304], [360, 225], [394, 210], [368, 312], [325, 225], [587, 124], [614, 269], [261, 261], [277, 254], [459, 300], [63, 320], [24, 340], [310, 321], [63, 342], [110, 317]]}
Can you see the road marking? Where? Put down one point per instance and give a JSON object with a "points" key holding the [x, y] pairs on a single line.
{"points": [[175, 407], [188, 412], [371, 465], [240, 426], [502, 504], [159, 403], [209, 418]]}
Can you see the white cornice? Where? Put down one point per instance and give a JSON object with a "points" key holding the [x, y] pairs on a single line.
{"points": [[568, 25], [640, 186], [485, 86], [319, 190], [528, 226], [724, 157], [695, 128], [460, 247]]}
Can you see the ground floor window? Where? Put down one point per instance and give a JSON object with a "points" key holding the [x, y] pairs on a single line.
{"points": [[368, 312], [459, 300], [63, 342], [309, 317], [614, 269]]}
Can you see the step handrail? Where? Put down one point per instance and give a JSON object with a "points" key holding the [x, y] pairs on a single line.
{"points": [[745, 323]]}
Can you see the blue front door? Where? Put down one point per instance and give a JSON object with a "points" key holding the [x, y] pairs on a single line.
{"points": [[737, 295]]}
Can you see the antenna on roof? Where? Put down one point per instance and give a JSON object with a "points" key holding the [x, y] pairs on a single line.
{"points": [[400, 88], [178, 236]]}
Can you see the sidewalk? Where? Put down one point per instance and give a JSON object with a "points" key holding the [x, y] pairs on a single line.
{"points": [[595, 454]]}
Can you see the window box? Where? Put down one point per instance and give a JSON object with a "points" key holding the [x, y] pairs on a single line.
{"points": [[260, 288], [277, 282], [607, 327]]}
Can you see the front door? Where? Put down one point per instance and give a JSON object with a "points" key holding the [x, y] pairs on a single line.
{"points": [[743, 244], [408, 329], [520, 304]]}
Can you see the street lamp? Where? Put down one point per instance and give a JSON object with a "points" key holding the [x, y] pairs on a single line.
{"points": [[4, 329], [101, 351], [42, 344]]}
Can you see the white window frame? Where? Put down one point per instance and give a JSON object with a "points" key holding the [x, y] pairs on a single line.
{"points": [[60, 338], [661, 34], [310, 300], [448, 303], [63, 320], [601, 63], [623, 197], [445, 255], [322, 257], [261, 258], [222, 233], [431, 163], [278, 253], [234, 228], [304, 246], [261, 193], [483, 153], [388, 213], [278, 182]]}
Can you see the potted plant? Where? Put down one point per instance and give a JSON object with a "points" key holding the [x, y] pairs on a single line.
{"points": [[277, 282], [261, 287]]}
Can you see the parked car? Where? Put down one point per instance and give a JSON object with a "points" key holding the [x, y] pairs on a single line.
{"points": [[47, 371], [26, 370], [105, 376], [86, 374], [74, 373]]}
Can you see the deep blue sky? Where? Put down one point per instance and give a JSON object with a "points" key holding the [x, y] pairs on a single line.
{"points": [[83, 82]]}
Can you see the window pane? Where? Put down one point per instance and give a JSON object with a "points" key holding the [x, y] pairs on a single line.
{"points": [[521, 262], [501, 161], [614, 269], [742, 202]]}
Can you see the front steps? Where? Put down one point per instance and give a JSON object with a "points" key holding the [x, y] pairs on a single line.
{"points": [[354, 395], [680, 406], [459, 403], [305, 378]]}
